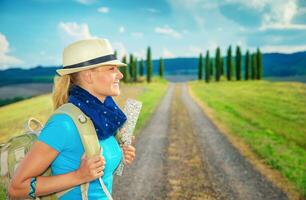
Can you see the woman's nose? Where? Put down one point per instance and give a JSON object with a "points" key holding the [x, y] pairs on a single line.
{"points": [[119, 74]]}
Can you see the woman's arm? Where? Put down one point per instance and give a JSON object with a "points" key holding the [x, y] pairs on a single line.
{"points": [[37, 160]]}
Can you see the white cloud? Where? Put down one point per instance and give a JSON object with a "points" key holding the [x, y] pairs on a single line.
{"points": [[167, 53], [137, 34], [121, 29], [4, 47], [276, 15], [168, 32], [290, 9], [5, 59], [120, 48], [103, 9], [256, 4], [208, 5], [280, 26], [281, 15], [72, 31], [86, 2], [283, 48]]}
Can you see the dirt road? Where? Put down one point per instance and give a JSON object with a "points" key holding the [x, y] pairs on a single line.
{"points": [[146, 179], [182, 155]]}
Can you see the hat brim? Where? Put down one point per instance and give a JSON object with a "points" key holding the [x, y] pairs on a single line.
{"points": [[64, 71]]}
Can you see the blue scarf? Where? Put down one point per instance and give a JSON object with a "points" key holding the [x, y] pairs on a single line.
{"points": [[106, 117]]}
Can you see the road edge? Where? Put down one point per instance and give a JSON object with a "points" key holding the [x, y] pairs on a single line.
{"points": [[271, 174]]}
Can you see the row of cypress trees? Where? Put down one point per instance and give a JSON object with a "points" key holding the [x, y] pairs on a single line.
{"points": [[135, 68], [253, 68], [213, 67]]}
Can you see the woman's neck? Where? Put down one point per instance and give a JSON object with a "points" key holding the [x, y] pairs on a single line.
{"points": [[91, 91]]}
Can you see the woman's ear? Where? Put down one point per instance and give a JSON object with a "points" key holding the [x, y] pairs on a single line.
{"points": [[87, 76]]}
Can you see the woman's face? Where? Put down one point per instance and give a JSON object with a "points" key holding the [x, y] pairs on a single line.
{"points": [[105, 81]]}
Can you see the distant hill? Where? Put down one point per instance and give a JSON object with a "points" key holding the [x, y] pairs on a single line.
{"points": [[275, 64], [34, 75]]}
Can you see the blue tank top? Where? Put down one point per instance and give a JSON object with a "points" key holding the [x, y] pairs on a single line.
{"points": [[61, 134]]}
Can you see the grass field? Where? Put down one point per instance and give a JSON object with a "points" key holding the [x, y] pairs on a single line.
{"points": [[270, 117], [298, 78], [13, 116]]}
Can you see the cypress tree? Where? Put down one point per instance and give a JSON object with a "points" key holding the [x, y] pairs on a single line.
{"points": [[247, 65], [141, 70], [125, 70], [149, 65], [115, 53], [259, 64], [161, 68], [200, 67], [207, 67], [211, 63], [121, 68], [135, 71], [254, 64], [238, 64], [217, 64], [221, 66], [131, 65], [131, 69], [229, 63]]}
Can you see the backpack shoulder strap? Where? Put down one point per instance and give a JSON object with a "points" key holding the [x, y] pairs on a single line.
{"points": [[89, 140], [85, 128]]}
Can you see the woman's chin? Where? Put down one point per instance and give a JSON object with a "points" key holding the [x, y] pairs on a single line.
{"points": [[116, 93], [116, 90]]}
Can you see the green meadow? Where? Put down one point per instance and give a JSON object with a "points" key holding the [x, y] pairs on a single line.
{"points": [[270, 117], [13, 116]]}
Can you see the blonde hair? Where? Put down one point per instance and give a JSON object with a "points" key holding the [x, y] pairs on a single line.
{"points": [[61, 88]]}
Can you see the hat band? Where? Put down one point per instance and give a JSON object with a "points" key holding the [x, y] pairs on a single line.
{"points": [[94, 61]]}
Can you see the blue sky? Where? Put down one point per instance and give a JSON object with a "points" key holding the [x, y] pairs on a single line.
{"points": [[34, 32]]}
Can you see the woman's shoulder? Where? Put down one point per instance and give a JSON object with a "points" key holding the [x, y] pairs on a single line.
{"points": [[59, 123], [60, 119], [58, 131], [60, 116]]}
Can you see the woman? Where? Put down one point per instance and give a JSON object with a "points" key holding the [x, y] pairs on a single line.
{"points": [[89, 78]]}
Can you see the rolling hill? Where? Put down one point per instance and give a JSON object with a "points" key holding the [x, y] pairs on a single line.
{"points": [[275, 65]]}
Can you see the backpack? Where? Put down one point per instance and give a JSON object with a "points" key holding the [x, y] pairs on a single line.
{"points": [[12, 152]]}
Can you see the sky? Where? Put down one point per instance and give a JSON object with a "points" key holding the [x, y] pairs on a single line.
{"points": [[34, 32]]}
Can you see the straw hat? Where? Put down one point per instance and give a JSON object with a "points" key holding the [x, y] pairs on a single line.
{"points": [[87, 54]]}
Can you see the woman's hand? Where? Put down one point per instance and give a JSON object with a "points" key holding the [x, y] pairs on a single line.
{"points": [[129, 153], [91, 168]]}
